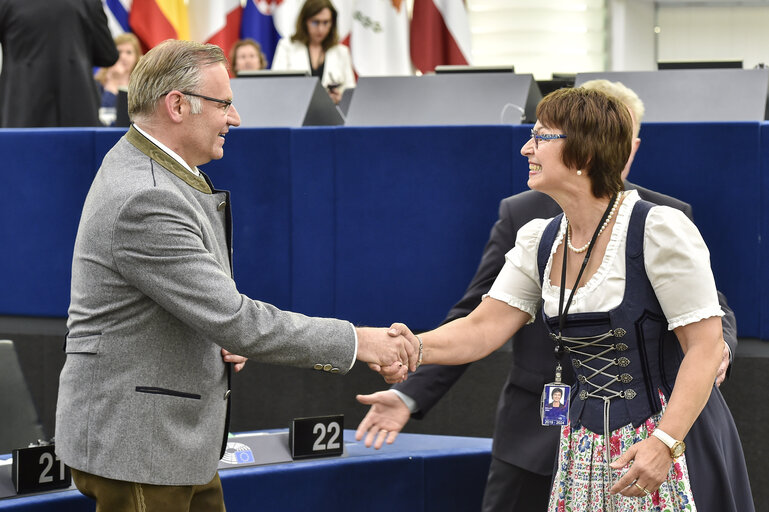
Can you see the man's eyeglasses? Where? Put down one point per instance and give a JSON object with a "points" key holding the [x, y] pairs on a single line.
{"points": [[227, 103], [545, 136]]}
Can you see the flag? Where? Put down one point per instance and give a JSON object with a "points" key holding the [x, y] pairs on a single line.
{"points": [[379, 40], [154, 21], [215, 21], [257, 24], [440, 34], [117, 15], [266, 21], [344, 10]]}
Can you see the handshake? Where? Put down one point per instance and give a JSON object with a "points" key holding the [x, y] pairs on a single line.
{"points": [[392, 352]]}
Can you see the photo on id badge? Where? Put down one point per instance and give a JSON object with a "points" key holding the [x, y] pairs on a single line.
{"points": [[555, 404]]}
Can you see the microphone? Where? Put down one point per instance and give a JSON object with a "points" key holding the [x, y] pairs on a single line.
{"points": [[516, 107]]}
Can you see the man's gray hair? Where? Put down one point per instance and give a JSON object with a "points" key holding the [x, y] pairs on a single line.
{"points": [[171, 65]]}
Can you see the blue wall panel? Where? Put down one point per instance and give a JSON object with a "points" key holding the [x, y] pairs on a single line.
{"points": [[414, 210], [716, 168], [46, 175], [256, 169], [763, 247], [377, 225], [520, 164], [313, 172]]}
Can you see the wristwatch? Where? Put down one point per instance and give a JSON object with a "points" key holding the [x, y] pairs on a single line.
{"points": [[676, 447]]}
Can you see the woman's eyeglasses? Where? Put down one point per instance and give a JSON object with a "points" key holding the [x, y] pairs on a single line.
{"points": [[545, 136]]}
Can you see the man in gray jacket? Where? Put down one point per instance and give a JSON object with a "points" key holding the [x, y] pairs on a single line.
{"points": [[144, 392]]}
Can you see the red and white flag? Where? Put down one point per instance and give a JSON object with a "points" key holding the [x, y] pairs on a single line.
{"points": [[440, 34], [379, 40], [215, 21], [283, 12]]}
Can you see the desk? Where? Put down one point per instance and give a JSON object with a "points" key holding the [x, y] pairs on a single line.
{"points": [[418, 473]]}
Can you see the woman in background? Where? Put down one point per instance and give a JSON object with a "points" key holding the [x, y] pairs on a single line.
{"points": [[247, 55], [315, 47], [115, 78]]}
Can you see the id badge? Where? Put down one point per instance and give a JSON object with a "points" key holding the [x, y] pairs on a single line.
{"points": [[554, 405]]}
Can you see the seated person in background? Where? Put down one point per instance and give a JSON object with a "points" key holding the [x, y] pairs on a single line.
{"points": [[315, 47], [115, 78], [247, 55]]}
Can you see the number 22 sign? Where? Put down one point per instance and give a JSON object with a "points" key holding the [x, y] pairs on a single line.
{"points": [[319, 436]]}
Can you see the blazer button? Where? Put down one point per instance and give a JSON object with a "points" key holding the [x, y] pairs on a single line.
{"points": [[334, 370], [227, 394], [318, 366], [326, 367], [222, 205]]}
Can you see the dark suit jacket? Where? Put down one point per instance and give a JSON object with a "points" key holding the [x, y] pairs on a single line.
{"points": [[49, 50], [519, 437]]}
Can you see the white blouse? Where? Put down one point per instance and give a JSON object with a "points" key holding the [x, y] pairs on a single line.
{"points": [[293, 56], [676, 259]]}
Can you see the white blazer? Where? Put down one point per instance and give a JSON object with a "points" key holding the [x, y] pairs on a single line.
{"points": [[294, 56]]}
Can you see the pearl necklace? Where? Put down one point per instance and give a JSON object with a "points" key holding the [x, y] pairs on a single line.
{"points": [[603, 226]]}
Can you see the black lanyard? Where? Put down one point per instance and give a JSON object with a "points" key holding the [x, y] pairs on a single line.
{"points": [[562, 312]]}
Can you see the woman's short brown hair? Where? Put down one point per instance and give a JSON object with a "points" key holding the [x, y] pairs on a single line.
{"points": [[310, 9], [599, 133]]}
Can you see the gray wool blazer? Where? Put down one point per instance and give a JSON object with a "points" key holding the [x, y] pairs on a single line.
{"points": [[143, 393]]}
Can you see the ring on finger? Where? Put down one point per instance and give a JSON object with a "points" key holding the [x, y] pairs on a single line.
{"points": [[644, 489]]}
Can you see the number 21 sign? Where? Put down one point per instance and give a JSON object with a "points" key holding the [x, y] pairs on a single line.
{"points": [[38, 469]]}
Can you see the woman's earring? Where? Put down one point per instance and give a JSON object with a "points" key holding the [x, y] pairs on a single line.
{"points": [[579, 173]]}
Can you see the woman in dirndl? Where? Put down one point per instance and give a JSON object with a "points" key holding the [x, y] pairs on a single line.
{"points": [[626, 289]]}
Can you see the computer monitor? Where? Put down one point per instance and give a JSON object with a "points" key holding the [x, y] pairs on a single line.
{"points": [[444, 99], [121, 109], [473, 69], [270, 73], [702, 64], [284, 101], [548, 86], [695, 95]]}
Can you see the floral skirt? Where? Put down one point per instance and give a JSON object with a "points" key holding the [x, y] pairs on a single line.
{"points": [[579, 484]]}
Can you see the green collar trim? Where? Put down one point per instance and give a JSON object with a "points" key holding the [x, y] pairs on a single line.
{"points": [[146, 146]]}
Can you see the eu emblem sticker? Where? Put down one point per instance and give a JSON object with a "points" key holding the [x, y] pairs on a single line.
{"points": [[554, 405], [238, 453]]}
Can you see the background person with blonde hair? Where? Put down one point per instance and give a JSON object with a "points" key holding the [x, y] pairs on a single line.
{"points": [[315, 47], [246, 55], [115, 78]]}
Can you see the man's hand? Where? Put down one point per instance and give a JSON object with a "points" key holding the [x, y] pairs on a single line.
{"points": [[238, 361], [721, 374], [384, 420], [388, 354]]}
